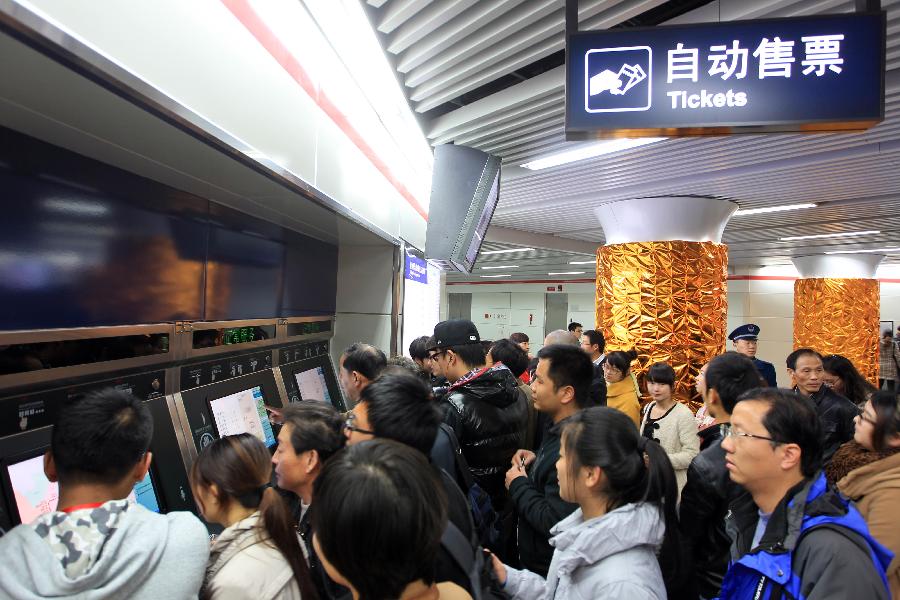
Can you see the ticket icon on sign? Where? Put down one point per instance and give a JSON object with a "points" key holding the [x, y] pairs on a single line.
{"points": [[618, 79]]}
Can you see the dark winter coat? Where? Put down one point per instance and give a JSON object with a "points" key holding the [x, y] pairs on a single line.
{"points": [[488, 413]]}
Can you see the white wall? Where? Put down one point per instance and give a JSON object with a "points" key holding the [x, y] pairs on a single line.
{"points": [[199, 54], [509, 306], [363, 298], [582, 309]]}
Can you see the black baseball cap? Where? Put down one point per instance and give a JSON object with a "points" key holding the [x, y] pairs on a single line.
{"points": [[455, 332]]}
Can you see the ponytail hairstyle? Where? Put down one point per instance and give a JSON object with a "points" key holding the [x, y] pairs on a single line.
{"points": [[240, 466], [622, 360], [636, 470]]}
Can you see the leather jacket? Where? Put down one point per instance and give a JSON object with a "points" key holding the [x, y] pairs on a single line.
{"points": [[704, 505], [489, 414], [836, 414]]}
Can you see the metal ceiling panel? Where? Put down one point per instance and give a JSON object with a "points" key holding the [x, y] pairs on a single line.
{"points": [[853, 177]]}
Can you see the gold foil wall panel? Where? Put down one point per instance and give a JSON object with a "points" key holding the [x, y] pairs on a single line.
{"points": [[839, 316], [668, 301]]}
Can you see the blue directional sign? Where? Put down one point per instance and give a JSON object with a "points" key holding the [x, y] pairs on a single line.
{"points": [[821, 73]]}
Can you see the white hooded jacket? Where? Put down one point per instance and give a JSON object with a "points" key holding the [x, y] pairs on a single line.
{"points": [[132, 554], [613, 556]]}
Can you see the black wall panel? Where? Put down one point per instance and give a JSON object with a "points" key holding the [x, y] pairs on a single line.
{"points": [[85, 244]]}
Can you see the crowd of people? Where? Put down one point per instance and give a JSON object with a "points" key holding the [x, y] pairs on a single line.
{"points": [[473, 470]]}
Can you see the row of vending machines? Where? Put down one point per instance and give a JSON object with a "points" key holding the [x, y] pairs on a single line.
{"points": [[200, 381]]}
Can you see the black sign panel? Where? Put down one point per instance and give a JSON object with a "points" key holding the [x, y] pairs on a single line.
{"points": [[800, 74], [198, 374], [30, 411]]}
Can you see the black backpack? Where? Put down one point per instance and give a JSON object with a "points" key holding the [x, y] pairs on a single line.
{"points": [[483, 513]]}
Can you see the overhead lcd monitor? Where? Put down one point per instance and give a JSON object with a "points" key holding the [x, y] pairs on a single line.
{"points": [[243, 412], [34, 495], [465, 188]]}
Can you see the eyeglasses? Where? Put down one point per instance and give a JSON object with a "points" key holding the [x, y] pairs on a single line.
{"points": [[734, 433], [861, 413], [349, 426]]}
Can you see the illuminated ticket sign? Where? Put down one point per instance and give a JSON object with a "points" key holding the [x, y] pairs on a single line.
{"points": [[799, 74]]}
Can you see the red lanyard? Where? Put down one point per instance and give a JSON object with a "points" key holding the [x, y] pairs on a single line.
{"points": [[71, 509]]}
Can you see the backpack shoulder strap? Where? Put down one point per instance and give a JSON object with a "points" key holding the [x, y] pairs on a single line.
{"points": [[460, 549], [462, 465]]}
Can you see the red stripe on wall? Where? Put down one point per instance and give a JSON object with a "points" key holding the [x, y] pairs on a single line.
{"points": [[245, 14], [506, 281], [558, 282]]}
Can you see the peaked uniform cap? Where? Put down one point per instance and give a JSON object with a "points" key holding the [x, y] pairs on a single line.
{"points": [[750, 331]]}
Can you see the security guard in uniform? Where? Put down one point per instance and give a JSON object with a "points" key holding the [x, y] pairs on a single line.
{"points": [[745, 341]]}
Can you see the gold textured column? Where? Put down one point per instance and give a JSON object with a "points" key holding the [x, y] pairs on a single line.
{"points": [[839, 316], [668, 301]]}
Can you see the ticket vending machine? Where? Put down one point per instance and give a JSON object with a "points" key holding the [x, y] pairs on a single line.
{"points": [[236, 405], [25, 492], [307, 373]]}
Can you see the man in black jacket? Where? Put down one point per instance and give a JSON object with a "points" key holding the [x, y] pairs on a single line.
{"points": [[560, 389], [484, 405], [709, 490], [594, 344], [398, 406], [836, 413]]}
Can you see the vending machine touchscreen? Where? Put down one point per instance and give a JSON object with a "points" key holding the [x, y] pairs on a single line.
{"points": [[31, 494], [236, 405], [243, 412], [312, 379]]}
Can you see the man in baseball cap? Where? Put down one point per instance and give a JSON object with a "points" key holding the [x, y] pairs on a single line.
{"points": [[484, 405], [745, 339]]}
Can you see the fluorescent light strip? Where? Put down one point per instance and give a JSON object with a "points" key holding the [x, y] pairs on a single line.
{"points": [[502, 267], [591, 151], [492, 276], [582, 262], [771, 209], [567, 273], [872, 251], [484, 252], [827, 235]]}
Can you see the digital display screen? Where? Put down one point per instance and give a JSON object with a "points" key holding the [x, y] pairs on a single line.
{"points": [[483, 222], [312, 385], [35, 495], [211, 338], [308, 328], [243, 412]]}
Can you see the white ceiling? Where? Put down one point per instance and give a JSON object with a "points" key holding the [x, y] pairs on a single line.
{"points": [[445, 49]]}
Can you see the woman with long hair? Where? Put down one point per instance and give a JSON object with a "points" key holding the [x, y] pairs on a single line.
{"points": [[624, 486], [621, 389], [843, 378], [867, 470], [259, 554], [669, 422]]}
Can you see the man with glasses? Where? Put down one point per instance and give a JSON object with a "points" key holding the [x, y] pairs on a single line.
{"points": [[801, 539], [398, 406], [836, 413], [311, 433], [746, 340]]}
